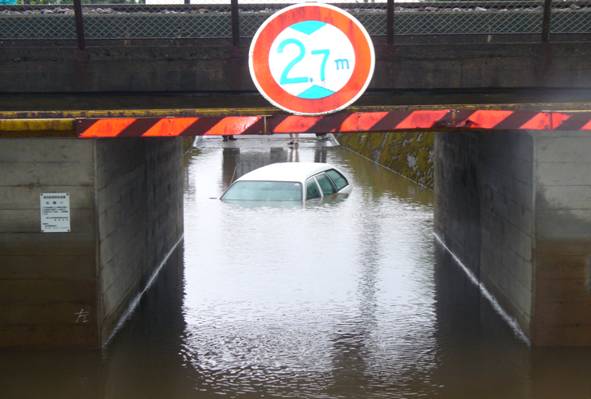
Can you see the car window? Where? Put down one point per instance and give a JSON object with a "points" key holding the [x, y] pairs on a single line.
{"points": [[325, 184], [264, 191], [338, 179], [312, 190]]}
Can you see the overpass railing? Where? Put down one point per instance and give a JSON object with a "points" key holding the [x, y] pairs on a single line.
{"points": [[235, 19]]}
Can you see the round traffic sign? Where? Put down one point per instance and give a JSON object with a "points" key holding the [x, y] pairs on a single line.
{"points": [[311, 59]]}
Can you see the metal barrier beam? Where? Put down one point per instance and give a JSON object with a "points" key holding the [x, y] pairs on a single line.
{"points": [[143, 123], [55, 127], [342, 122]]}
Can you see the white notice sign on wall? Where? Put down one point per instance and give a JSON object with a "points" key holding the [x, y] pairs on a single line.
{"points": [[55, 212]]}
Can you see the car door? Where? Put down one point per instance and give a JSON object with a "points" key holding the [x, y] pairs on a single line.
{"points": [[312, 190], [326, 185], [340, 182]]}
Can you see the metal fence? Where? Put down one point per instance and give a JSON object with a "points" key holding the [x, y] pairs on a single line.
{"points": [[157, 21], [231, 19], [571, 17], [37, 22]]}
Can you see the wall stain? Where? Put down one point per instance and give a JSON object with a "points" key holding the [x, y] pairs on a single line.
{"points": [[409, 154]]}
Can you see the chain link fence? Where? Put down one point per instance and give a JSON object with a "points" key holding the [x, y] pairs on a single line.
{"points": [[371, 15], [571, 17], [37, 22], [212, 18], [157, 21], [469, 17]]}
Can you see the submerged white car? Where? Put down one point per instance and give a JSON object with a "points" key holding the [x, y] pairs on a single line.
{"points": [[289, 181]]}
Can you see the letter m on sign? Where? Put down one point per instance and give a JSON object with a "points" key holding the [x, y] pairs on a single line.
{"points": [[342, 63]]}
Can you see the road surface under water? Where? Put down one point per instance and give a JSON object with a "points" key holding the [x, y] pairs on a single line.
{"points": [[352, 298]]}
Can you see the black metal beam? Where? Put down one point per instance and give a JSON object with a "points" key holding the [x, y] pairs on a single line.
{"points": [[235, 22], [390, 21], [546, 21], [79, 24]]}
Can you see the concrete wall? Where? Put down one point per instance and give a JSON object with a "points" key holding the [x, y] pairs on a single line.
{"points": [[562, 251], [139, 204], [214, 65], [514, 208], [484, 212], [409, 154], [126, 199], [47, 280]]}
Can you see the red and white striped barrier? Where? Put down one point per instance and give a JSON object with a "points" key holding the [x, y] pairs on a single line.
{"points": [[343, 122]]}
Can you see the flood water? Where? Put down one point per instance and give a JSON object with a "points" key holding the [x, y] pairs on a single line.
{"points": [[352, 298]]}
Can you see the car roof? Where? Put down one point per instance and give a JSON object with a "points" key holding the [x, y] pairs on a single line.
{"points": [[287, 171]]}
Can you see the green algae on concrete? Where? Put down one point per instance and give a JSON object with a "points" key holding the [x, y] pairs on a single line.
{"points": [[409, 154]]}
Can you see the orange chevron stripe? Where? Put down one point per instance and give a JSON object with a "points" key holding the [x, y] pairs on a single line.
{"points": [[110, 127], [486, 119], [422, 119], [296, 124], [545, 121], [168, 127], [232, 125], [587, 126], [361, 121]]}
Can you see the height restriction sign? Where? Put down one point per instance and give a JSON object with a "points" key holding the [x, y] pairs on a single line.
{"points": [[311, 59]]}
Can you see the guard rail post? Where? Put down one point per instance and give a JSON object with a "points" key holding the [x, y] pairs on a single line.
{"points": [[79, 24], [546, 21], [390, 21], [235, 22]]}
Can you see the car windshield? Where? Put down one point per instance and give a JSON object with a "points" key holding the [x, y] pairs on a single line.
{"points": [[264, 191]]}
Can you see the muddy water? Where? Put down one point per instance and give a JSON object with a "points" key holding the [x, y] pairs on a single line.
{"points": [[351, 298]]}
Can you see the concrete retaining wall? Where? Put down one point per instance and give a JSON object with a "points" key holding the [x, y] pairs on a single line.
{"points": [[483, 212], [47, 281], [139, 204], [409, 154], [562, 251], [514, 208], [70, 289], [214, 65]]}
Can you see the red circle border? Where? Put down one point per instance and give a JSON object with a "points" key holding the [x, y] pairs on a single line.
{"points": [[270, 89]]}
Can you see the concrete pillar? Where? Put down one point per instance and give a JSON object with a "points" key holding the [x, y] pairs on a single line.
{"points": [[71, 289], [139, 200], [515, 209], [562, 250]]}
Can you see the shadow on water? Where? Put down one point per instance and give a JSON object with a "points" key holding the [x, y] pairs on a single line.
{"points": [[478, 355], [237, 162], [145, 359]]}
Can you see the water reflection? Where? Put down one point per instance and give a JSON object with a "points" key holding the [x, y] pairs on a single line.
{"points": [[303, 302], [145, 359], [352, 340], [347, 299], [237, 162], [477, 354]]}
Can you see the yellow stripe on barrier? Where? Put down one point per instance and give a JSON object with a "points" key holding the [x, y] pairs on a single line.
{"points": [[63, 127]]}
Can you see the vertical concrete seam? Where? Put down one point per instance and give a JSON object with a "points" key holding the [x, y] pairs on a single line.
{"points": [[534, 179], [97, 250]]}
